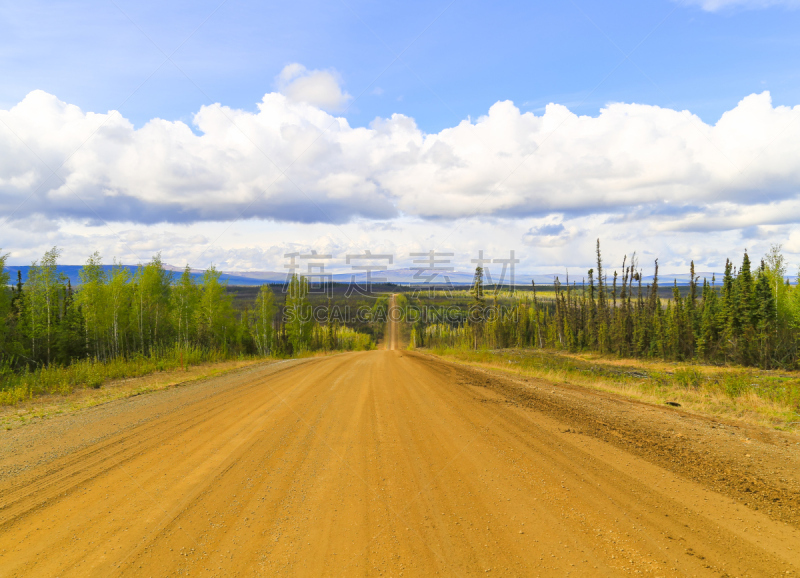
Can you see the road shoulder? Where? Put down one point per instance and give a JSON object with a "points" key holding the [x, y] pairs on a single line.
{"points": [[756, 466]]}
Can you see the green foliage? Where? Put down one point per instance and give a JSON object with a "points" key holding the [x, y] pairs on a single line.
{"points": [[54, 338], [183, 305], [263, 319], [753, 319], [688, 378], [21, 385], [5, 301], [729, 390], [151, 287], [215, 316], [92, 301], [40, 306], [735, 385], [349, 340], [299, 324]]}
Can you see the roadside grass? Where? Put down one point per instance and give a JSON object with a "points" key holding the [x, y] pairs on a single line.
{"points": [[770, 398], [87, 383], [16, 386], [51, 404]]}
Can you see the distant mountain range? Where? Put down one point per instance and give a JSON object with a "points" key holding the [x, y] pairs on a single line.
{"points": [[71, 272], [406, 276]]}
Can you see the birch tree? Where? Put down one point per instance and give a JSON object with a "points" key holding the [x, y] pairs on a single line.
{"points": [[92, 300], [184, 299], [151, 288], [215, 317], [262, 317], [298, 317], [118, 301]]}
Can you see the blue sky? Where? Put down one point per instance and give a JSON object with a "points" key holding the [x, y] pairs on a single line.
{"points": [[455, 59], [435, 63]]}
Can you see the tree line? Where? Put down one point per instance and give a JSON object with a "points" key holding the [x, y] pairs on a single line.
{"points": [[750, 317], [118, 314]]}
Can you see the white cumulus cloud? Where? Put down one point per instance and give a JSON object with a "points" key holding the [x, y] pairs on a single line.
{"points": [[291, 161], [320, 88]]}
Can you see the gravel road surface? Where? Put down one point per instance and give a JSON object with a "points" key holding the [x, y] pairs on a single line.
{"points": [[394, 463]]}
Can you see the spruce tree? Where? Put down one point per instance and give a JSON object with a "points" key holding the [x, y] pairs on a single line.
{"points": [[478, 308], [692, 328], [726, 313], [330, 328], [592, 330], [71, 343], [709, 333], [742, 314], [765, 318], [602, 306], [5, 303]]}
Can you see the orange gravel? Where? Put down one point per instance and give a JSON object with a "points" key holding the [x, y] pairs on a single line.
{"points": [[362, 464]]}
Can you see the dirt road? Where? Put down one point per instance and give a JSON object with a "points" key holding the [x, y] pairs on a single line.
{"points": [[392, 340], [379, 463]]}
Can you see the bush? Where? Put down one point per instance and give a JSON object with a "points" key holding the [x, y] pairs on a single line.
{"points": [[734, 385], [689, 378], [55, 379]]}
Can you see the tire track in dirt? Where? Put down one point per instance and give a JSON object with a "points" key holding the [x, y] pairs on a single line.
{"points": [[680, 442], [84, 464], [380, 462]]}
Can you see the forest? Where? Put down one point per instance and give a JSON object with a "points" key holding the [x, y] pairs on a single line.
{"points": [[749, 317], [54, 337], [118, 323]]}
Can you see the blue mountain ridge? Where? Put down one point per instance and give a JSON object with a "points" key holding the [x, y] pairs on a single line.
{"points": [[406, 276]]}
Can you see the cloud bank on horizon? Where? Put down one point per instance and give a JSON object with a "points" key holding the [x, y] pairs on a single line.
{"points": [[294, 176], [559, 176]]}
